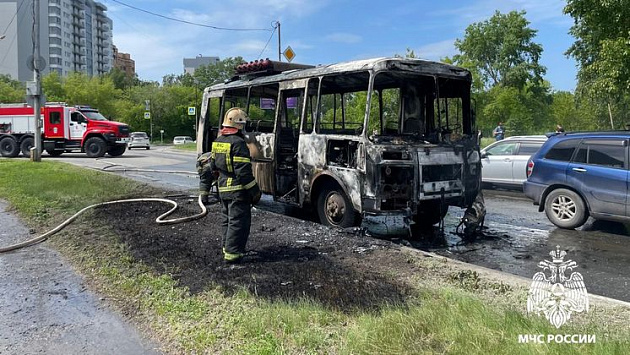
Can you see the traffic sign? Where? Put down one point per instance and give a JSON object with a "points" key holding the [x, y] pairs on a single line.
{"points": [[147, 115], [191, 111], [289, 54]]}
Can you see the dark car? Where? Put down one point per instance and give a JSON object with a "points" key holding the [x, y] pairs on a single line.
{"points": [[577, 175]]}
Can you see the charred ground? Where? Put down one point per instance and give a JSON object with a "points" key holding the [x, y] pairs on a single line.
{"points": [[288, 258]]}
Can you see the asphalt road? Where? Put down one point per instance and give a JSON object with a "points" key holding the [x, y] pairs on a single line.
{"points": [[516, 238]]}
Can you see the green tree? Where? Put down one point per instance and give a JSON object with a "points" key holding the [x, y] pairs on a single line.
{"points": [[207, 75], [502, 50], [602, 46], [11, 91], [53, 88]]}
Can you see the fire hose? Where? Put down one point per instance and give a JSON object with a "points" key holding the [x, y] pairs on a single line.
{"points": [[159, 220]]}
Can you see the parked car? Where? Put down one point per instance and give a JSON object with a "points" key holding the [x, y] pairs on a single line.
{"points": [[577, 175], [139, 140], [504, 162], [183, 140]]}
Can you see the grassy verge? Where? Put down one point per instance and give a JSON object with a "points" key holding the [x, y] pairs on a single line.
{"points": [[454, 312], [192, 147]]}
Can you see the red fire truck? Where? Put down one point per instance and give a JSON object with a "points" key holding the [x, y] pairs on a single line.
{"points": [[65, 129]]}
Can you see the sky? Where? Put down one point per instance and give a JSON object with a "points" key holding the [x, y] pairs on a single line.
{"points": [[324, 31]]}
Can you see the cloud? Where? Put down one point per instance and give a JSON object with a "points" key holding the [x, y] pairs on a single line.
{"points": [[436, 51], [340, 37], [536, 10]]}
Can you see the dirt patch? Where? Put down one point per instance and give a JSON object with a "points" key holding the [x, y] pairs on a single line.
{"points": [[288, 259]]}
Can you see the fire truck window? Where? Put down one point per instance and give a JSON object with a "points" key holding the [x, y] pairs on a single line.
{"points": [[75, 117], [54, 118]]}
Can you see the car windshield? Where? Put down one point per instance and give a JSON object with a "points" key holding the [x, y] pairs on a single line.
{"points": [[139, 135]]}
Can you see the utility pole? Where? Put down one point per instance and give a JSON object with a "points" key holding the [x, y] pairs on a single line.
{"points": [[36, 92], [279, 43]]}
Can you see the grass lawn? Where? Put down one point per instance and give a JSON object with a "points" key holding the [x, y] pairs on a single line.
{"points": [[454, 310]]}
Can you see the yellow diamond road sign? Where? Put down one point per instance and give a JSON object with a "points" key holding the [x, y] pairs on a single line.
{"points": [[289, 53]]}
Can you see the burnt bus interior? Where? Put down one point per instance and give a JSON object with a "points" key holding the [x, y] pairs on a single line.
{"points": [[404, 107]]}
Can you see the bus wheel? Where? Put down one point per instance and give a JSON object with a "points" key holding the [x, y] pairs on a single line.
{"points": [[95, 147], [9, 147], [26, 146], [334, 208]]}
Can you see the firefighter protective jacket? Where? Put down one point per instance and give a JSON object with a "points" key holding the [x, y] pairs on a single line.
{"points": [[230, 156]]}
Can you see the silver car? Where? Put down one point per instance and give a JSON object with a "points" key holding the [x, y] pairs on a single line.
{"points": [[139, 140], [505, 162]]}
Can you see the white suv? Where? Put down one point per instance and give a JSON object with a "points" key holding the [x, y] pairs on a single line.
{"points": [[139, 140], [183, 140]]}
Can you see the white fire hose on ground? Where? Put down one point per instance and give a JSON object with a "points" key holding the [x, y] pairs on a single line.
{"points": [[159, 220]]}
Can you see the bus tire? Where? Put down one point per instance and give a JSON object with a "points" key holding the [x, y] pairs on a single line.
{"points": [[26, 145], [95, 147], [334, 208], [9, 147]]}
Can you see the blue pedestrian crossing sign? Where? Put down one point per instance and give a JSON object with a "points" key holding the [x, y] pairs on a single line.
{"points": [[191, 111]]}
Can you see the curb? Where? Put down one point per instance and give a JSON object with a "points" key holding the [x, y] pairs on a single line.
{"points": [[525, 281]]}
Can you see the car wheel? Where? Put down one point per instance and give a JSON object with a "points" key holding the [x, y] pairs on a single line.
{"points": [[334, 208], [566, 209]]}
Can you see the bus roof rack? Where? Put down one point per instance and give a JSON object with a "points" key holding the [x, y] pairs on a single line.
{"points": [[265, 67]]}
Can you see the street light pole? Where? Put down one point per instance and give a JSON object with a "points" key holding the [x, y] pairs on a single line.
{"points": [[36, 154]]}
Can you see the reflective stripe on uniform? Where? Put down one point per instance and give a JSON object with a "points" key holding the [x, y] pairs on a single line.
{"points": [[229, 182], [241, 160], [236, 187]]}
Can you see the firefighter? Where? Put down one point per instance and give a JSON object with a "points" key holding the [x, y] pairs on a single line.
{"points": [[206, 176], [237, 187]]}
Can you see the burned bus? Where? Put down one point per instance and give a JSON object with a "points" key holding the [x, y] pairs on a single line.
{"points": [[388, 142]]}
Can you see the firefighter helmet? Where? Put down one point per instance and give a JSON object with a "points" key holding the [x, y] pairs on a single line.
{"points": [[235, 117]]}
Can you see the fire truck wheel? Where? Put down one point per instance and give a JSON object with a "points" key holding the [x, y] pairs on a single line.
{"points": [[334, 208], [25, 146], [117, 150], [95, 147], [9, 147]]}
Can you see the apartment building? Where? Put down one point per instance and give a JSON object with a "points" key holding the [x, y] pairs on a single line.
{"points": [[75, 35], [190, 64], [124, 62]]}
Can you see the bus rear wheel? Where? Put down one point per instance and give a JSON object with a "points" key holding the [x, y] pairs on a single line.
{"points": [[334, 208]]}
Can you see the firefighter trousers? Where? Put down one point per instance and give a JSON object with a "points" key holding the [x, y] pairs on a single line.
{"points": [[236, 221]]}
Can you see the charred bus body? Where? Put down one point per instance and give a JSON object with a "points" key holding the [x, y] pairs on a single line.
{"points": [[388, 141]]}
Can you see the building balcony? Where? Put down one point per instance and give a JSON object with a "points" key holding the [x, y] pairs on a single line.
{"points": [[54, 3]]}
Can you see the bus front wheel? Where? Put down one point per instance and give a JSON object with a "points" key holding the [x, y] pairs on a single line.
{"points": [[334, 208]]}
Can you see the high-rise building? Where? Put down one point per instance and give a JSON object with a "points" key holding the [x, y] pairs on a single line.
{"points": [[190, 64], [75, 35], [124, 62]]}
